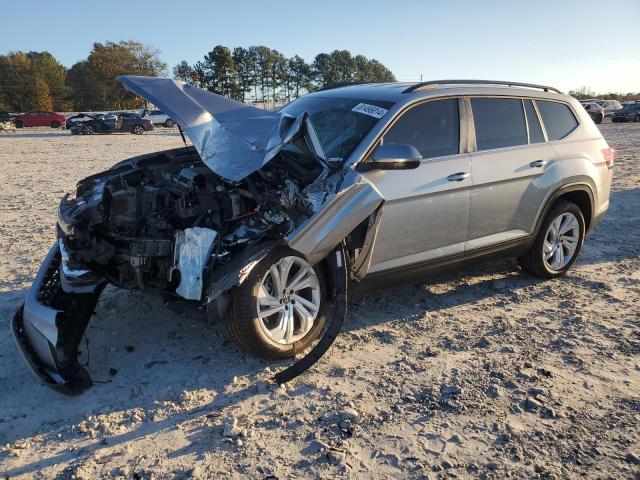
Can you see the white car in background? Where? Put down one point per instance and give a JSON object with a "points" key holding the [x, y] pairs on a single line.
{"points": [[157, 117], [609, 106], [596, 112]]}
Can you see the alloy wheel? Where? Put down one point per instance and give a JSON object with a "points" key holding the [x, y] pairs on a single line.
{"points": [[561, 241], [289, 299]]}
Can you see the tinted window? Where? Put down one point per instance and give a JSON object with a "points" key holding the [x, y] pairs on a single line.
{"points": [[433, 128], [558, 119], [535, 130], [499, 122]]}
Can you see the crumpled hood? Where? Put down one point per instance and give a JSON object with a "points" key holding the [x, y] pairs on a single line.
{"points": [[234, 139]]}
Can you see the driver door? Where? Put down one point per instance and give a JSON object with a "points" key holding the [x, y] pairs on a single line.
{"points": [[425, 213]]}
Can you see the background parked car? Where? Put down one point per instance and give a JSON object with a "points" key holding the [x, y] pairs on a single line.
{"points": [[157, 117], [39, 119], [609, 106], [114, 122], [629, 112], [81, 117], [5, 116], [596, 112]]}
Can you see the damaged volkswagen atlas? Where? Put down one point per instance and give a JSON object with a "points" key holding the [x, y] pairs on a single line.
{"points": [[271, 216]]}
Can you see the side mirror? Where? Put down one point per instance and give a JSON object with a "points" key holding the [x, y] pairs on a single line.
{"points": [[392, 157]]}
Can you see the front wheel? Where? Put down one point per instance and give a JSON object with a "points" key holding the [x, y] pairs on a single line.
{"points": [[88, 129], [55, 124], [137, 130], [169, 123], [278, 310], [558, 242], [637, 118], [19, 124], [598, 119]]}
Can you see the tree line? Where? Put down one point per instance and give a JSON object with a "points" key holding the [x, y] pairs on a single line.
{"points": [[261, 74], [584, 93], [38, 81]]}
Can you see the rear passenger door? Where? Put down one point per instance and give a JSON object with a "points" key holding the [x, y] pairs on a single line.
{"points": [[513, 169]]}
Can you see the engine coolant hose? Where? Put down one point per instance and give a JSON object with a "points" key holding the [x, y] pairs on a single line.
{"points": [[339, 270]]}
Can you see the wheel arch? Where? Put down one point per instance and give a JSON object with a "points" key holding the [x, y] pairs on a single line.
{"points": [[580, 193]]}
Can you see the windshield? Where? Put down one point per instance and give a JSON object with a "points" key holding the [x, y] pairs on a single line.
{"points": [[341, 123], [631, 106]]}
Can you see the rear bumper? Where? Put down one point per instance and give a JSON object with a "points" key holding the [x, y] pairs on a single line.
{"points": [[49, 326]]}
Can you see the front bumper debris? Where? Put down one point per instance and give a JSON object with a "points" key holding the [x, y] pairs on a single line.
{"points": [[50, 324]]}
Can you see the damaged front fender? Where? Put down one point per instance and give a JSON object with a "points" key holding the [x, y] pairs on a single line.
{"points": [[339, 216]]}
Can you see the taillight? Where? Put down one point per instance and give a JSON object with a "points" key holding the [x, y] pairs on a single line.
{"points": [[609, 154]]}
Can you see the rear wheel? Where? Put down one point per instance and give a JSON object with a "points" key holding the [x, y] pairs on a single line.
{"points": [[55, 124], [279, 309], [599, 119], [19, 124], [637, 118], [137, 130], [558, 243], [169, 123]]}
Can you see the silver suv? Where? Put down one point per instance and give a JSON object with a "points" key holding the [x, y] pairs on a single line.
{"points": [[272, 219]]}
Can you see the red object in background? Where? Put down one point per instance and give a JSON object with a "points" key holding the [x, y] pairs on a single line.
{"points": [[39, 119]]}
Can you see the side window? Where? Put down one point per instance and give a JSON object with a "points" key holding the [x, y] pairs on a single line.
{"points": [[432, 127], [499, 122], [535, 130], [558, 119]]}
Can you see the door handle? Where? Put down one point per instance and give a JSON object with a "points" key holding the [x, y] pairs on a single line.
{"points": [[538, 164], [458, 177]]}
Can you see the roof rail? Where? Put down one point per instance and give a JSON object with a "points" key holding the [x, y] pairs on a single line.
{"points": [[435, 83], [331, 86]]}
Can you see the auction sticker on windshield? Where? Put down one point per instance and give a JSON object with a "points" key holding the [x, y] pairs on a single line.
{"points": [[370, 110]]}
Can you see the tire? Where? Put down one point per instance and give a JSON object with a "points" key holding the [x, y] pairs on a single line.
{"points": [[55, 124], [19, 124], [88, 130], [636, 118], [598, 119], [137, 130], [169, 123], [262, 336], [534, 261]]}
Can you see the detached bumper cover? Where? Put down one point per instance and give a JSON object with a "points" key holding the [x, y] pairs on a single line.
{"points": [[49, 326]]}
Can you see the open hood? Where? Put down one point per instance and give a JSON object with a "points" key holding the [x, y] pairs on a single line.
{"points": [[234, 139]]}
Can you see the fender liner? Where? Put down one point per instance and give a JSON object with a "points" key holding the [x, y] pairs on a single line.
{"points": [[339, 269]]}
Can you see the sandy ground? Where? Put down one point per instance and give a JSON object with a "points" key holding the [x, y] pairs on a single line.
{"points": [[489, 373]]}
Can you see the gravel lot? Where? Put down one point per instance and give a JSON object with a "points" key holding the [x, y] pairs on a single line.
{"points": [[487, 373]]}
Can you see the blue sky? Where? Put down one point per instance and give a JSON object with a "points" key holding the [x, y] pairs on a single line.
{"points": [[564, 43]]}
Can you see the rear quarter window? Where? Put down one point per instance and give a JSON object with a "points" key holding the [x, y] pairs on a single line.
{"points": [[558, 119]]}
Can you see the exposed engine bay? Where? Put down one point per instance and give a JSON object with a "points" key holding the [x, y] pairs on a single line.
{"points": [[131, 224], [254, 221]]}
